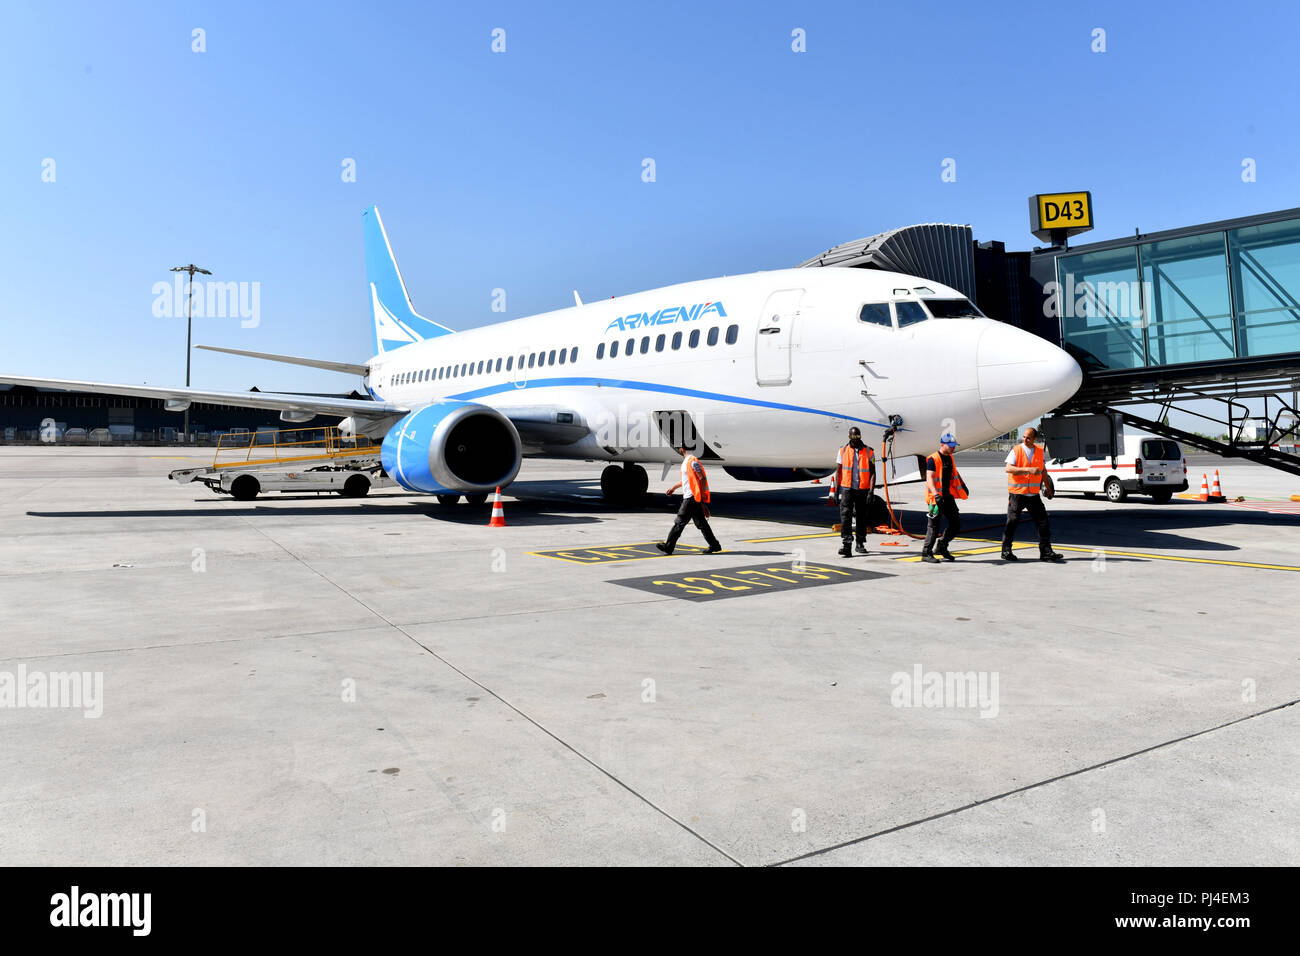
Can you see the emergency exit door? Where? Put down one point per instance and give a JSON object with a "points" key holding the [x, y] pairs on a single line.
{"points": [[772, 346]]}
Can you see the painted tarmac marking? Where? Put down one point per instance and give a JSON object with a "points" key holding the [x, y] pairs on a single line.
{"points": [[612, 553], [743, 581]]}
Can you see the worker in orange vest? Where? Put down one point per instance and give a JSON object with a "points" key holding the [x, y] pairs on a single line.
{"points": [[943, 487], [1027, 479], [695, 504], [854, 481]]}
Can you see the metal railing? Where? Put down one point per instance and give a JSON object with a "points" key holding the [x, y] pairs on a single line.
{"points": [[288, 445]]}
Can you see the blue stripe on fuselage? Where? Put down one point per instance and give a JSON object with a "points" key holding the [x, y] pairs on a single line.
{"points": [[651, 387]]}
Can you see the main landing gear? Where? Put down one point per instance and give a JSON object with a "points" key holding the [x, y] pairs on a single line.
{"points": [[473, 500], [624, 485]]}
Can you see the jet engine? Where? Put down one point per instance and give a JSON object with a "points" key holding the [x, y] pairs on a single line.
{"points": [[452, 447]]}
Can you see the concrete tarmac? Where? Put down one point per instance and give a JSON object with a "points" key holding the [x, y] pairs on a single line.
{"points": [[319, 680]]}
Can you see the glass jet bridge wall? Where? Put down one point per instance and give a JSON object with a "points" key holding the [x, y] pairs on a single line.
{"points": [[1209, 297]]}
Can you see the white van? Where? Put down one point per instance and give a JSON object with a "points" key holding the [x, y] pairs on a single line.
{"points": [[1148, 466]]}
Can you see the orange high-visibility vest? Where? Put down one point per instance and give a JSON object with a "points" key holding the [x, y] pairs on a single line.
{"points": [[956, 489], [855, 469], [1026, 484], [698, 480]]}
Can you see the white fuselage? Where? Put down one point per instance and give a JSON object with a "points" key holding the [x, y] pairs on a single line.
{"points": [[801, 367]]}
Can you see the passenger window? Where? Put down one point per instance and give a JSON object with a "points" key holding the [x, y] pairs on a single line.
{"points": [[563, 353], [613, 349], [659, 343], [510, 362], [627, 348], [677, 341], [695, 338], [713, 335], [600, 351], [480, 368], [645, 345], [877, 313], [909, 313], [573, 355], [532, 357], [551, 360], [498, 365], [733, 333]]}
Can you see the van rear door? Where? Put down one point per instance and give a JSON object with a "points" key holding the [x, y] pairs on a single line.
{"points": [[1162, 462]]}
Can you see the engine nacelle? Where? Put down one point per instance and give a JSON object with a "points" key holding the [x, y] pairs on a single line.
{"points": [[452, 447], [778, 474]]}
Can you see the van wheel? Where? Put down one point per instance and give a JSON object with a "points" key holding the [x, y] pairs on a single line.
{"points": [[245, 488], [1114, 490], [1162, 497], [358, 486]]}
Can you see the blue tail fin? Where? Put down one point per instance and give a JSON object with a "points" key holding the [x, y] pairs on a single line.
{"points": [[396, 323]]}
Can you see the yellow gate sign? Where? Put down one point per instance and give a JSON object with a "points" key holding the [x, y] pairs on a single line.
{"points": [[1053, 217]]}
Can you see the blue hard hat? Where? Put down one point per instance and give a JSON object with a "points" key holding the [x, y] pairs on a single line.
{"points": [[948, 438]]}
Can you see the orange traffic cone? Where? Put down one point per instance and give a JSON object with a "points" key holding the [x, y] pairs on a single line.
{"points": [[1217, 493], [498, 515], [1205, 488], [830, 497]]}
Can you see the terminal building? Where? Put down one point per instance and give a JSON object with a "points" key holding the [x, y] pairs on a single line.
{"points": [[97, 418]]}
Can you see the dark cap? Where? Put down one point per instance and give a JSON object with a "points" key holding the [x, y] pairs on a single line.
{"points": [[854, 430]]}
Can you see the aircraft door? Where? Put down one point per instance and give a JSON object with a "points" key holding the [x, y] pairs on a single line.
{"points": [[772, 345]]}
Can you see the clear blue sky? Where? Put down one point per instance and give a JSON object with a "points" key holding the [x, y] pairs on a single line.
{"points": [[522, 170]]}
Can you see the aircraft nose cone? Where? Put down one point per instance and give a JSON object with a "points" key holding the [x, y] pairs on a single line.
{"points": [[1021, 376]]}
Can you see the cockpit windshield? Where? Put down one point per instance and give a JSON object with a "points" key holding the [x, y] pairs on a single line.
{"points": [[909, 313], [952, 309]]}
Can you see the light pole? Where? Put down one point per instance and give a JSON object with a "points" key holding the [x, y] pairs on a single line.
{"points": [[189, 318]]}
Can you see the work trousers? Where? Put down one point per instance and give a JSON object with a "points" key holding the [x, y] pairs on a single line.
{"points": [[691, 510], [853, 502], [1034, 505], [947, 510]]}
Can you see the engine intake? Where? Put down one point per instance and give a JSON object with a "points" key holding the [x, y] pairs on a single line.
{"points": [[452, 446]]}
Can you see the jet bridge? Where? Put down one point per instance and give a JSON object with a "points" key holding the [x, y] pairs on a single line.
{"points": [[1201, 321]]}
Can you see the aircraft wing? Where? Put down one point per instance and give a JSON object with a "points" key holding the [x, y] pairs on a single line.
{"points": [[277, 401], [346, 367]]}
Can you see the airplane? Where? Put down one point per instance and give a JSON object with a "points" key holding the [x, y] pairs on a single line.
{"points": [[760, 374]]}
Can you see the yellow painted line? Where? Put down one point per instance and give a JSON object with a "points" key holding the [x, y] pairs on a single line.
{"points": [[1129, 554], [1174, 557], [914, 559], [791, 537]]}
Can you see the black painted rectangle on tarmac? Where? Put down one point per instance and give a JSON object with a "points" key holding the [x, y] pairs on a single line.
{"points": [[740, 582], [615, 552]]}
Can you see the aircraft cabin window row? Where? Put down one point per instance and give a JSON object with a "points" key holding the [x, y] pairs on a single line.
{"points": [[912, 311], [534, 360], [661, 342]]}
